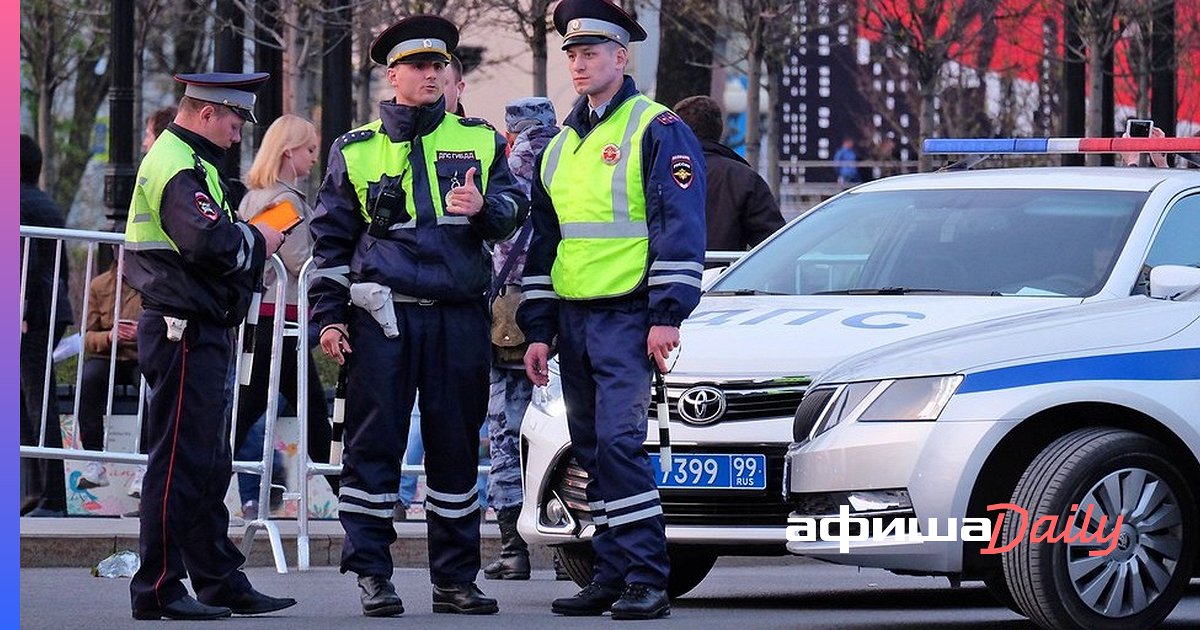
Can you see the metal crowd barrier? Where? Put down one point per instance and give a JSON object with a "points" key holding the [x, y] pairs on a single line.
{"points": [[262, 467], [308, 273], [91, 240]]}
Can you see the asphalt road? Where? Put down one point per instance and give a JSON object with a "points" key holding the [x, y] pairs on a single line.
{"points": [[738, 594]]}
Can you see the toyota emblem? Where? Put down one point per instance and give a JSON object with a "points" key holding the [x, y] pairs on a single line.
{"points": [[702, 404]]}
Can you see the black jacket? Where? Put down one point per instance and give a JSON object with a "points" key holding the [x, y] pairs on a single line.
{"points": [[38, 209], [739, 208]]}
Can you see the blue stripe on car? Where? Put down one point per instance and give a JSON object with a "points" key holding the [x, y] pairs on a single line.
{"points": [[1161, 365]]}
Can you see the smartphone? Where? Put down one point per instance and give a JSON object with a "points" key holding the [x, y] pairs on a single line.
{"points": [[1138, 128]]}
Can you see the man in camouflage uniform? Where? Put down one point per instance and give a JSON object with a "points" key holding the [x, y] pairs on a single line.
{"points": [[530, 124]]}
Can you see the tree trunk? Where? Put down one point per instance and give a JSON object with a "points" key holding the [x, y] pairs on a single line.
{"points": [[774, 141], [91, 89], [684, 65], [928, 91], [753, 85], [538, 47], [1095, 102]]}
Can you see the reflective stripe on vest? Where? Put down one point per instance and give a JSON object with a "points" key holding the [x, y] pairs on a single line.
{"points": [[169, 155], [368, 161], [598, 192]]}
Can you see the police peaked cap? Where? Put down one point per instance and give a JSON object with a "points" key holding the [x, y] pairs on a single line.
{"points": [[234, 90], [416, 38], [594, 22]]}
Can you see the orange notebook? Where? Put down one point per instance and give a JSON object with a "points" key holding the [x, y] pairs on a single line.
{"points": [[282, 216]]}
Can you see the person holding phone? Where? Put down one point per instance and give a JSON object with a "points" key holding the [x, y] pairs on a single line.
{"points": [[1141, 128], [286, 157]]}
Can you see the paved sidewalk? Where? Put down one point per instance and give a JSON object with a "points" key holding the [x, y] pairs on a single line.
{"points": [[83, 541]]}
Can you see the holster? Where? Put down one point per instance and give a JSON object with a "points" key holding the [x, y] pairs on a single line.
{"points": [[377, 300]]}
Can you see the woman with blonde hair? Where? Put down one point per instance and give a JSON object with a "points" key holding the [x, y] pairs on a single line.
{"points": [[288, 152]]}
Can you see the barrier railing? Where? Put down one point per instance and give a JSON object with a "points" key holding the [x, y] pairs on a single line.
{"points": [[91, 241]]}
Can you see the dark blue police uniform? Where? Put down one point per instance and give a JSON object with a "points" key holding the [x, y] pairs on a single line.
{"points": [[195, 266], [602, 341], [436, 268]]}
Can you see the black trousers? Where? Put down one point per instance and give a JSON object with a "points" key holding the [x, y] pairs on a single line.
{"points": [[184, 523], [93, 398], [444, 351], [45, 476], [252, 400]]}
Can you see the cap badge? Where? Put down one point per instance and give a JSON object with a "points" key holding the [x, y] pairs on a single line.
{"points": [[576, 25], [611, 154], [427, 43]]}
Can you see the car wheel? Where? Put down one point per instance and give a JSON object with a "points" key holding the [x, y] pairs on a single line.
{"points": [[1115, 473], [689, 566], [998, 588]]}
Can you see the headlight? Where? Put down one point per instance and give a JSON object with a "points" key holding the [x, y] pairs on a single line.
{"points": [[549, 399], [889, 400], [910, 399]]}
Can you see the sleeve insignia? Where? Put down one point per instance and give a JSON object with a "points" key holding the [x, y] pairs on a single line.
{"points": [[681, 170], [206, 207]]}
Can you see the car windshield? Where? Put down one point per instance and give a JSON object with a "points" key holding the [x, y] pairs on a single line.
{"points": [[973, 241]]}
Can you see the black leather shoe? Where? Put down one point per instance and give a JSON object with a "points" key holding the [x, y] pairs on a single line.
{"points": [[379, 598], [463, 599], [640, 601], [253, 603], [593, 600], [185, 607]]}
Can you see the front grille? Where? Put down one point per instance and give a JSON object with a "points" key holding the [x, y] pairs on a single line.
{"points": [[766, 507], [744, 400], [809, 412]]}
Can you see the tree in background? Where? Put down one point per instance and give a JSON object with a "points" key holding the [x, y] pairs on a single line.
{"points": [[530, 19]]}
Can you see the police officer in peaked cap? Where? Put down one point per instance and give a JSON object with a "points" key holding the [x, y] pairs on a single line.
{"points": [[613, 292], [408, 205], [195, 264]]}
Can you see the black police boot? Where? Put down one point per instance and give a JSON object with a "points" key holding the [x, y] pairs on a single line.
{"points": [[640, 601], [513, 563], [462, 599], [185, 607], [593, 600], [251, 603], [379, 598]]}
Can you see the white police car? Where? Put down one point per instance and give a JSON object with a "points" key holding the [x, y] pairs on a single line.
{"points": [[1079, 423], [883, 262]]}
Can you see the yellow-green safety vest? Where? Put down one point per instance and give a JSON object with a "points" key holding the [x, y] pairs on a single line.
{"points": [[169, 155], [596, 185], [368, 160]]}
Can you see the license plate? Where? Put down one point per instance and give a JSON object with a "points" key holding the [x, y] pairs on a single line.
{"points": [[720, 471]]}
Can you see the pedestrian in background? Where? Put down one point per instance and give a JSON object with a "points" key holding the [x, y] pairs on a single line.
{"points": [[530, 123], [41, 330], [845, 161], [613, 270], [408, 205], [195, 266], [739, 209], [284, 160]]}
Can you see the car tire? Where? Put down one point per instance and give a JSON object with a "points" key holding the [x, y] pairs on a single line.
{"points": [[689, 566], [1140, 580]]}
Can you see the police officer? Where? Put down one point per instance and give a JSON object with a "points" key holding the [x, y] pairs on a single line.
{"points": [[195, 265], [613, 269], [408, 202]]}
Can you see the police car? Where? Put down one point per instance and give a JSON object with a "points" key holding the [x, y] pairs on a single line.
{"points": [[883, 262], [1079, 423]]}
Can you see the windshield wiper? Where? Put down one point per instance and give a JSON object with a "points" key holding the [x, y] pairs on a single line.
{"points": [[903, 291], [744, 292]]}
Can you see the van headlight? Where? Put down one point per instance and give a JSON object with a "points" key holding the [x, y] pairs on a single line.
{"points": [[889, 400], [549, 399]]}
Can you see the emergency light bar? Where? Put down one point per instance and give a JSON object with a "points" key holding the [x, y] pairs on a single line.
{"points": [[1060, 145]]}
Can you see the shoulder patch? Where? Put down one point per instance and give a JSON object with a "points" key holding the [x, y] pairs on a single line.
{"points": [[667, 118], [351, 137], [475, 122], [206, 207]]}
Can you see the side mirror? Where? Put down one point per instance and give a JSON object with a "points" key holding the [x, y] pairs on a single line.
{"points": [[1174, 282]]}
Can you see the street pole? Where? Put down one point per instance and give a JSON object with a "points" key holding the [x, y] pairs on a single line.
{"points": [[121, 171]]}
